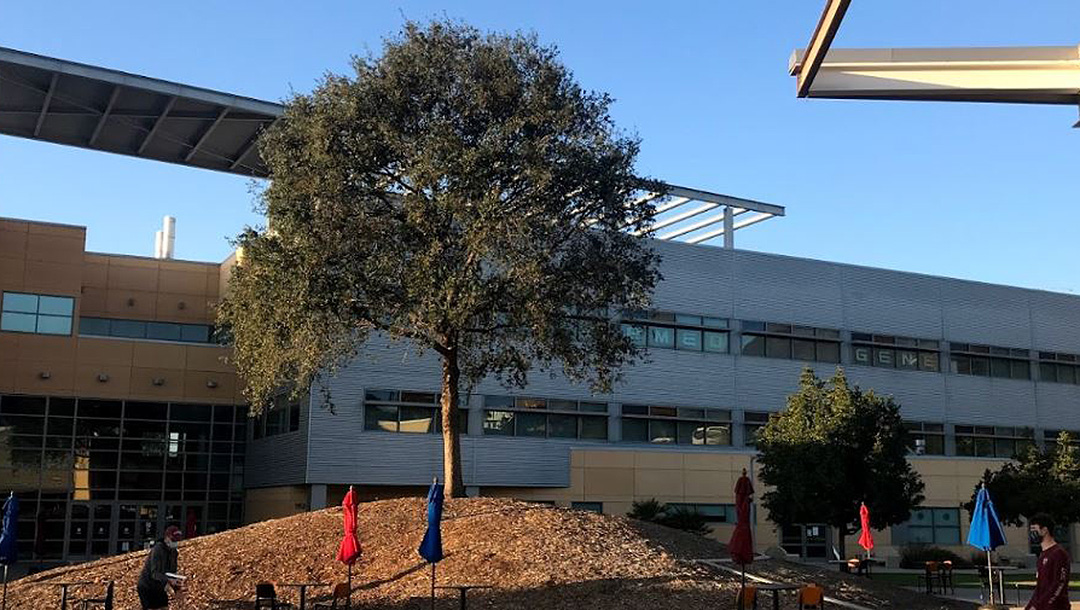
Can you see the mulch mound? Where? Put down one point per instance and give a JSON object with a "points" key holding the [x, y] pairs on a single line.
{"points": [[533, 555]]}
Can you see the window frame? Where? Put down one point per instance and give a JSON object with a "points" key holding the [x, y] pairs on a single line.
{"points": [[777, 340], [7, 308]]}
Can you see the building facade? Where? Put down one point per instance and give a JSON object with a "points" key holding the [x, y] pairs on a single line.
{"points": [[118, 415], [979, 370]]}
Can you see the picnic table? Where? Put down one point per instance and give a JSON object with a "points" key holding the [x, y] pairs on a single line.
{"points": [[303, 586], [776, 589], [64, 589], [463, 591]]}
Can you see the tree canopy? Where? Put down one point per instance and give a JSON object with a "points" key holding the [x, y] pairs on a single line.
{"points": [[460, 193], [1039, 480], [832, 448]]}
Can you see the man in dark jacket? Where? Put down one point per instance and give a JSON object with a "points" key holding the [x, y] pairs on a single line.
{"points": [[161, 561], [1052, 571]]}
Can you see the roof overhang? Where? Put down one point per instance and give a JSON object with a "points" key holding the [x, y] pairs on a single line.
{"points": [[1022, 75], [64, 102]]}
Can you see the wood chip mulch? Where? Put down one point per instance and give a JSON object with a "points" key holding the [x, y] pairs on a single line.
{"points": [[534, 556]]}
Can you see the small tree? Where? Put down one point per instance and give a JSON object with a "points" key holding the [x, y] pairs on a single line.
{"points": [[1037, 481], [834, 447], [461, 193]]}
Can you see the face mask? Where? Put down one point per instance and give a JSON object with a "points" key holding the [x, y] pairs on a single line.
{"points": [[1034, 537], [172, 544]]}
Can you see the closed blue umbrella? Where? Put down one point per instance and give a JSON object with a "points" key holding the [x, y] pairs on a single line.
{"points": [[9, 550], [986, 533], [431, 546]]}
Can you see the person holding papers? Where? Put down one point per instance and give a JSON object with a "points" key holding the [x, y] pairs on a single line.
{"points": [[159, 571]]}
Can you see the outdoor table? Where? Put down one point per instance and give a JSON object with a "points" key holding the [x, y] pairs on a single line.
{"points": [[776, 589], [64, 590], [463, 591], [1001, 580], [303, 589]]}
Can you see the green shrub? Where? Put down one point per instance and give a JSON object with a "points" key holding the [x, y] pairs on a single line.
{"points": [[915, 557], [677, 517]]}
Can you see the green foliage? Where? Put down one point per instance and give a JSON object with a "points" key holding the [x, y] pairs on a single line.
{"points": [[1037, 481], [438, 197], [833, 447], [914, 557], [646, 510], [677, 517]]}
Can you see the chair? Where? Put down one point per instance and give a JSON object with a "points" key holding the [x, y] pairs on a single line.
{"points": [[340, 594], [930, 573], [266, 597], [746, 599], [105, 602], [945, 576], [811, 597]]}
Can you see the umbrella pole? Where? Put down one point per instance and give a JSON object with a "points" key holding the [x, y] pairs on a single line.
{"points": [[5, 587], [350, 588], [990, 577], [433, 585]]}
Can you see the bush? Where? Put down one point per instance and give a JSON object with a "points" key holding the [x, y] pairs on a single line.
{"points": [[916, 556], [677, 517]]}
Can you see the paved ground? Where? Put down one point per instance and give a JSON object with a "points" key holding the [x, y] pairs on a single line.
{"points": [[974, 595]]}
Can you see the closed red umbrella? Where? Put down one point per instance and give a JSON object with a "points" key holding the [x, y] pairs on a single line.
{"points": [[349, 551], [866, 537], [741, 545]]}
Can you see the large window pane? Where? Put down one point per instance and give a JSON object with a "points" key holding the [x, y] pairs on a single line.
{"points": [[753, 345], [18, 322], [691, 433], [716, 342], [163, 331], [689, 339], [635, 333], [828, 351], [56, 306], [25, 303], [661, 337], [718, 435], [635, 430], [53, 325], [94, 326], [594, 428], [803, 349], [195, 333], [131, 329], [562, 426], [662, 431], [531, 424], [419, 420], [778, 347], [499, 423], [380, 418]]}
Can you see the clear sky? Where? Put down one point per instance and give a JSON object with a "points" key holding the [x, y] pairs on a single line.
{"points": [[984, 192]]}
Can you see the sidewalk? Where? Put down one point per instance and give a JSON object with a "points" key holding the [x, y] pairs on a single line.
{"points": [[968, 594]]}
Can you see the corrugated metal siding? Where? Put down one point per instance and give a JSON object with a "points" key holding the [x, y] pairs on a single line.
{"points": [[278, 460], [736, 284]]}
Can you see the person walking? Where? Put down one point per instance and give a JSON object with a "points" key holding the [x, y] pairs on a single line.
{"points": [[160, 562], [1052, 571]]}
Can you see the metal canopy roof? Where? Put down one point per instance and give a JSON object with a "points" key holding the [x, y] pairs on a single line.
{"points": [[64, 102]]}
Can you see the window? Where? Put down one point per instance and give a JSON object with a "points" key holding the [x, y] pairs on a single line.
{"points": [[893, 352], [36, 313], [1050, 437], [593, 507], [993, 441], [938, 526], [685, 332], [753, 422], [138, 329], [713, 513], [545, 418], [676, 425], [280, 417], [989, 361], [1059, 368], [926, 438], [409, 412], [790, 342]]}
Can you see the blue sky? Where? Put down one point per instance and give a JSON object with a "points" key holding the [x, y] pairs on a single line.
{"points": [[984, 192]]}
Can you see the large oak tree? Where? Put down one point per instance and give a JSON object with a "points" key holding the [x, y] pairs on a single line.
{"points": [[460, 193]]}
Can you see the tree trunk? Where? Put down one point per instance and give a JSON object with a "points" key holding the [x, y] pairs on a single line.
{"points": [[451, 431]]}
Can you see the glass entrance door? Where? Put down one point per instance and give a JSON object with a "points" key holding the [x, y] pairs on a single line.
{"points": [[137, 525], [90, 530], [808, 541]]}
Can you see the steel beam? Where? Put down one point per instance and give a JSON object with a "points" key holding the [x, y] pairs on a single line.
{"points": [[157, 125], [246, 150], [45, 104], [820, 41], [206, 134], [738, 225], [105, 115]]}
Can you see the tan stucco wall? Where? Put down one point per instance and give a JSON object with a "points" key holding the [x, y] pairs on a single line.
{"points": [[273, 502]]}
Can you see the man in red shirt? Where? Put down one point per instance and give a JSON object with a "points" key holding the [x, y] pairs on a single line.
{"points": [[1052, 571]]}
